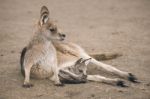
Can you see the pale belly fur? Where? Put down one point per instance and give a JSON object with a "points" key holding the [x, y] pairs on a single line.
{"points": [[38, 72], [45, 64]]}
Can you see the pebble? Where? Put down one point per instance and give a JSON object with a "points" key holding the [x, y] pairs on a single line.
{"points": [[12, 51]]}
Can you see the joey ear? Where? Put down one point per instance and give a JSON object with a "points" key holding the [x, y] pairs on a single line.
{"points": [[87, 61], [44, 9], [79, 61], [44, 17]]}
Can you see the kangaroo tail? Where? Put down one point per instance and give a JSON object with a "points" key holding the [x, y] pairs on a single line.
{"points": [[105, 56], [22, 60]]}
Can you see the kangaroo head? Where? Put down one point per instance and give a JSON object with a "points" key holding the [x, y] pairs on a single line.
{"points": [[48, 28], [81, 65]]}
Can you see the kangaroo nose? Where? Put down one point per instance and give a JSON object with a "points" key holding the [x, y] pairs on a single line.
{"points": [[84, 76], [63, 35]]}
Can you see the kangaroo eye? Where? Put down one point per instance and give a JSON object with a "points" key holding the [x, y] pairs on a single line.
{"points": [[80, 71], [52, 30]]}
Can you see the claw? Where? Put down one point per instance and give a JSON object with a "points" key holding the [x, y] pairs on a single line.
{"points": [[28, 85], [121, 83], [132, 78], [59, 84]]}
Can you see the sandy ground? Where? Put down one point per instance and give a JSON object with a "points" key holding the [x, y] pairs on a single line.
{"points": [[97, 25]]}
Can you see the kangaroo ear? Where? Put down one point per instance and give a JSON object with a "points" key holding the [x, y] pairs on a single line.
{"points": [[44, 17], [78, 61], [87, 61]]}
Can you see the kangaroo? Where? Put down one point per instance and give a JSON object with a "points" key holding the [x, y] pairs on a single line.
{"points": [[48, 55], [40, 52], [75, 74]]}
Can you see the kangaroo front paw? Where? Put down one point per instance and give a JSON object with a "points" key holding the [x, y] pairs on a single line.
{"points": [[27, 85], [132, 78], [121, 83], [59, 84]]}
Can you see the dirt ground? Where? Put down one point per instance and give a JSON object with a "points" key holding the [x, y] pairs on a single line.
{"points": [[121, 26]]}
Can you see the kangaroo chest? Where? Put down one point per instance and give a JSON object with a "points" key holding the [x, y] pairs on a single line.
{"points": [[47, 60]]}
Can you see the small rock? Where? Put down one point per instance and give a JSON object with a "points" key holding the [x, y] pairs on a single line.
{"points": [[12, 51], [120, 91], [91, 27], [148, 84], [142, 88], [92, 95], [93, 49], [29, 12], [39, 95]]}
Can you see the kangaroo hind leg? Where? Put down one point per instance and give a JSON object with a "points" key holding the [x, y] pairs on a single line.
{"points": [[103, 79], [27, 70], [111, 69]]}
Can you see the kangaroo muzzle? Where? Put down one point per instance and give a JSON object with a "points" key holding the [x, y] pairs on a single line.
{"points": [[62, 36]]}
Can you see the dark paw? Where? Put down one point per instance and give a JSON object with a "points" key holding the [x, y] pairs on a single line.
{"points": [[84, 81], [28, 85], [121, 84], [59, 84], [84, 77], [132, 78]]}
